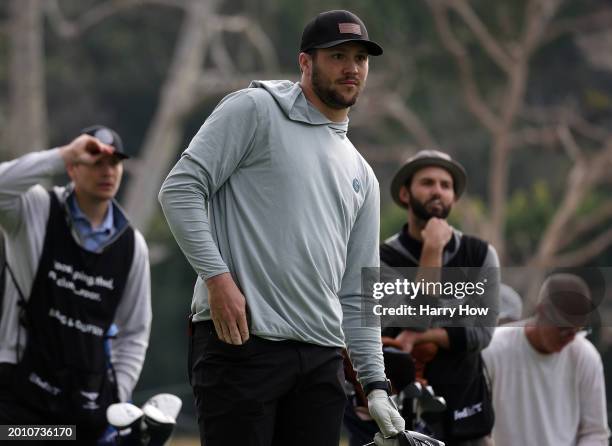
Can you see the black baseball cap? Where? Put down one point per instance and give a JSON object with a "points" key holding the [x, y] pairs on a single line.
{"points": [[108, 136], [332, 28]]}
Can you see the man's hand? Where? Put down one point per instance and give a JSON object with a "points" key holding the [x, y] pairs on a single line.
{"points": [[386, 415], [85, 149], [436, 233], [407, 339], [227, 309]]}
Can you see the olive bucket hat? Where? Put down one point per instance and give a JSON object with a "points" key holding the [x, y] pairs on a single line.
{"points": [[427, 158]]}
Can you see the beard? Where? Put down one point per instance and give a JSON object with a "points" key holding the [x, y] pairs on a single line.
{"points": [[420, 209], [323, 87]]}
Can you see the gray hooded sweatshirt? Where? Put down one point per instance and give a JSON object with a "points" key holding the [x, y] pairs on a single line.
{"points": [[274, 192]]}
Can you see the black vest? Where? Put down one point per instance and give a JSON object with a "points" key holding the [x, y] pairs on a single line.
{"points": [[471, 253], [457, 376], [65, 372]]}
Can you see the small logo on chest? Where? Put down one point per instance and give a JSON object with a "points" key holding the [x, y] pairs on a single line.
{"points": [[356, 185]]}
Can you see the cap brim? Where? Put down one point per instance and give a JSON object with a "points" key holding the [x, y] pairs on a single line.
{"points": [[373, 48], [561, 318], [121, 155], [409, 169]]}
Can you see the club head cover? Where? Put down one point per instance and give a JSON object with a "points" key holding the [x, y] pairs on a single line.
{"points": [[128, 420], [158, 432], [430, 403], [413, 390], [168, 405], [160, 413]]}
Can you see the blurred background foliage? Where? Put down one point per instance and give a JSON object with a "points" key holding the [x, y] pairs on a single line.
{"points": [[65, 64]]}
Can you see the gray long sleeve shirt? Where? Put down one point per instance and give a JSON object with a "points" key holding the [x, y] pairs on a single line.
{"points": [[272, 191], [24, 211]]}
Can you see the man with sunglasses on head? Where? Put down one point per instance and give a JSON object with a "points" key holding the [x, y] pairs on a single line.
{"points": [[547, 378], [74, 266]]}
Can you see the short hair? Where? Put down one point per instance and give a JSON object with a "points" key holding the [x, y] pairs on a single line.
{"points": [[312, 52]]}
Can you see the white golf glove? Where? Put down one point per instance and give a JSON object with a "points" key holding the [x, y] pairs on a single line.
{"points": [[385, 413]]}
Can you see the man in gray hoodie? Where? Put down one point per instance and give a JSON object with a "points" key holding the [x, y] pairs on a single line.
{"points": [[277, 213]]}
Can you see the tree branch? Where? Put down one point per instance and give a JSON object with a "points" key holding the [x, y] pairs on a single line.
{"points": [[576, 187], [472, 96], [385, 104], [587, 23], [586, 224], [473, 218], [487, 41], [566, 114], [176, 99], [582, 177], [544, 136], [582, 255], [569, 143], [538, 15], [58, 22], [220, 55], [401, 112], [602, 162], [72, 28], [213, 82], [253, 32], [394, 154]]}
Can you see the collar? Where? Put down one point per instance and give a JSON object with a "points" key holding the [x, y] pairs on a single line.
{"points": [[108, 223]]}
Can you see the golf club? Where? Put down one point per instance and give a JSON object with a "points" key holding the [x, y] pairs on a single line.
{"points": [[410, 438]]}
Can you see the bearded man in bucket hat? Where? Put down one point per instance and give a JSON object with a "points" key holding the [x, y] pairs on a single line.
{"points": [[428, 185], [294, 217]]}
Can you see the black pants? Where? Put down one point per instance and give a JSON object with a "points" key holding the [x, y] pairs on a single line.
{"points": [[13, 410], [265, 393]]}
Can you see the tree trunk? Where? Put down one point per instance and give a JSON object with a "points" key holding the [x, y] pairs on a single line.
{"points": [[176, 100], [27, 114], [499, 169]]}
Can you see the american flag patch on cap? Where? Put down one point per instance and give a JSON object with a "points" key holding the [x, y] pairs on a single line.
{"points": [[349, 28]]}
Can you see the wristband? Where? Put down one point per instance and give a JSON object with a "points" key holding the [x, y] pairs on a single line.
{"points": [[378, 385]]}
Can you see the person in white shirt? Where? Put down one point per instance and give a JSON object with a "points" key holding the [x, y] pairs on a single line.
{"points": [[546, 378]]}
